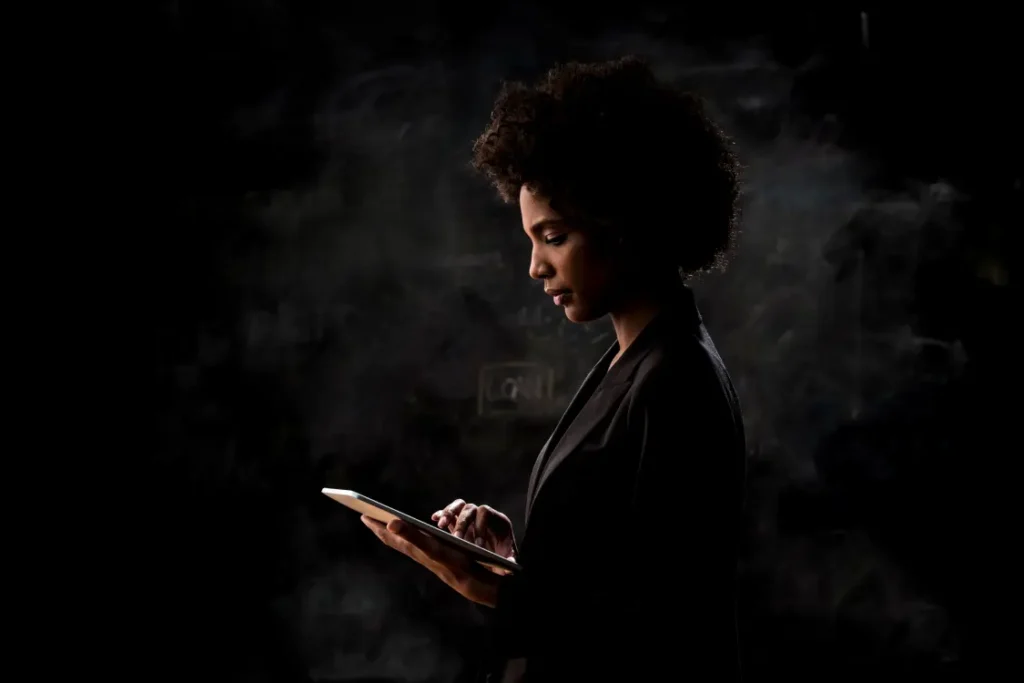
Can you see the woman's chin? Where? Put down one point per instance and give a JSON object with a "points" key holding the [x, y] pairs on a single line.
{"points": [[577, 314]]}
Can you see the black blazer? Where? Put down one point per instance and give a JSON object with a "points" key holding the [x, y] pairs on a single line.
{"points": [[632, 516]]}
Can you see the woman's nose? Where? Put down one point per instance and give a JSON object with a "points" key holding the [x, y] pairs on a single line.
{"points": [[540, 269]]}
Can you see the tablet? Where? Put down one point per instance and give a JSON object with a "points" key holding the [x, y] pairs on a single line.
{"points": [[383, 513]]}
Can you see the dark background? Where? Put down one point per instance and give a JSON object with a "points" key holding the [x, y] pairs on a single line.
{"points": [[324, 287]]}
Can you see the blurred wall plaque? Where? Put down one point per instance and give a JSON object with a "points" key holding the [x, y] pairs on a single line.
{"points": [[516, 388]]}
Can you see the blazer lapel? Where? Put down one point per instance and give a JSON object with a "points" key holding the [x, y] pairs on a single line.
{"points": [[591, 414], [583, 414], [586, 388]]}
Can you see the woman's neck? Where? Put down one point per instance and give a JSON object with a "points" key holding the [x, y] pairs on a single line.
{"points": [[632, 315], [629, 324]]}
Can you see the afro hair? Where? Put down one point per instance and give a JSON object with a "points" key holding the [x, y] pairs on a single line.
{"points": [[615, 147]]}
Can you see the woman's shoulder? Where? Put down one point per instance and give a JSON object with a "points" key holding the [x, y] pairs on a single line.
{"points": [[678, 359], [681, 374]]}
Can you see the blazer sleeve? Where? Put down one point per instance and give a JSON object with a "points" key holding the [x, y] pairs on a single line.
{"points": [[562, 627], [510, 616], [652, 587], [687, 497]]}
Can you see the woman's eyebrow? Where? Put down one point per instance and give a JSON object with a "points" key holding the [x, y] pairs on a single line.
{"points": [[545, 223]]}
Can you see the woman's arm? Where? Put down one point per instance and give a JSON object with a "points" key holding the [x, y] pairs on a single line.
{"points": [[660, 591], [687, 504], [509, 617]]}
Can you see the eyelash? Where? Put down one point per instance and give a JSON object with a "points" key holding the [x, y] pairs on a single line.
{"points": [[557, 239]]}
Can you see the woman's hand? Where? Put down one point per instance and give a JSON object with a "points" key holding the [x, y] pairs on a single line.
{"points": [[479, 524], [463, 575]]}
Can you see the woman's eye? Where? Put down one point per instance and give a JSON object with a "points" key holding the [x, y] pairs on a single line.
{"points": [[555, 239]]}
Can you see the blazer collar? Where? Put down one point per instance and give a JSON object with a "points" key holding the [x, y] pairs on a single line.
{"points": [[583, 393], [680, 314], [576, 422]]}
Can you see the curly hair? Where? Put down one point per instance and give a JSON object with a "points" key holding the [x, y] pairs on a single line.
{"points": [[617, 148]]}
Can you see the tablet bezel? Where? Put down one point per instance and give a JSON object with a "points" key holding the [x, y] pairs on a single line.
{"points": [[383, 513]]}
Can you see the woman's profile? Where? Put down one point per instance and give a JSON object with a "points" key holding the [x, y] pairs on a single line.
{"points": [[628, 550]]}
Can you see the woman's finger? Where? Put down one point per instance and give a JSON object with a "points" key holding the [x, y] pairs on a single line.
{"points": [[482, 520], [372, 524], [449, 513], [391, 535], [441, 518], [493, 540], [465, 518], [409, 540], [426, 550]]}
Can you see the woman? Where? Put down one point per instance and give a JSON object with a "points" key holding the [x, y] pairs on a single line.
{"points": [[628, 551]]}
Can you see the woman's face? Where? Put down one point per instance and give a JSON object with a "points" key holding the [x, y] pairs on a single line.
{"points": [[577, 268]]}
